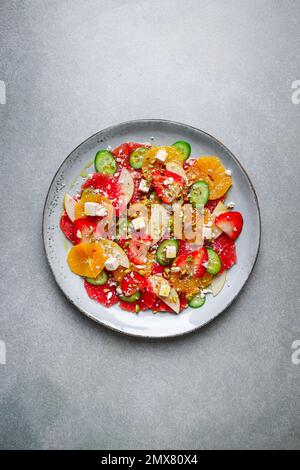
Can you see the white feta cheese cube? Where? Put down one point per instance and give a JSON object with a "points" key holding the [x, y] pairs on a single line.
{"points": [[207, 233], [171, 251], [164, 290], [112, 263], [144, 186], [230, 205], [138, 223], [161, 155], [78, 234], [90, 208]]}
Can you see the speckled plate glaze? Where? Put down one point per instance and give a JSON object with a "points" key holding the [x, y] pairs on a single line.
{"points": [[69, 177]]}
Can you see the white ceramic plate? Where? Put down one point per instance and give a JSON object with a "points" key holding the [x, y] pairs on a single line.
{"points": [[145, 323]]}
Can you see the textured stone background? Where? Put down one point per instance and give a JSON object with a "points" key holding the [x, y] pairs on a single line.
{"points": [[73, 67]]}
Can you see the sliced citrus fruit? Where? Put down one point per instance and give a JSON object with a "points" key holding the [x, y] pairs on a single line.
{"points": [[86, 259], [211, 170], [152, 159], [89, 195], [188, 284]]}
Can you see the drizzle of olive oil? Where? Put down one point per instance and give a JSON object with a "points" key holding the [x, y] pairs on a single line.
{"points": [[66, 245]]}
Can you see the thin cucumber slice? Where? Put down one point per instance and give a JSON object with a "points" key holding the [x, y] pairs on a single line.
{"points": [[184, 148], [214, 261], [197, 301], [105, 162], [99, 280], [199, 193], [137, 157], [161, 257], [130, 298]]}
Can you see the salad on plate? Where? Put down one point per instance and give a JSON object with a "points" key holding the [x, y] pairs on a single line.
{"points": [[151, 228]]}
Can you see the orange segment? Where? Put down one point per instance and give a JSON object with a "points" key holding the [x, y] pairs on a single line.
{"points": [[150, 161], [188, 284], [86, 259], [88, 195], [211, 170]]}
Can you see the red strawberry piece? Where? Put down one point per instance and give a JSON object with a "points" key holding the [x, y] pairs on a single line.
{"points": [[170, 191], [84, 229], [133, 282], [66, 226], [137, 251], [231, 223], [193, 262], [134, 145], [184, 248], [122, 154], [225, 247], [183, 302], [129, 306], [137, 177], [147, 300], [105, 295], [212, 204]]}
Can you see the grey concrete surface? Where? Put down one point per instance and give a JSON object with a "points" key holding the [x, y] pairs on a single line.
{"points": [[71, 68]]}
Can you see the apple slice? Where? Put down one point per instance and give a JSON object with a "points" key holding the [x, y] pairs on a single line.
{"points": [[113, 250], [177, 169], [127, 183], [218, 283], [159, 222], [172, 300], [69, 204]]}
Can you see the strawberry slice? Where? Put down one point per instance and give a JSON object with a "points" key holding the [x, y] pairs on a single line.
{"points": [[231, 223], [122, 153], [168, 185], [133, 282], [105, 295], [146, 302], [193, 262], [84, 229], [184, 248], [137, 250], [225, 247], [66, 226], [158, 268]]}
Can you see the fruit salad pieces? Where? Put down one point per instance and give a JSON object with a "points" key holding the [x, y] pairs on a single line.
{"points": [[151, 228]]}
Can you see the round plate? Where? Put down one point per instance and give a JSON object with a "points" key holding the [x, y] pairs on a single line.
{"points": [[68, 178]]}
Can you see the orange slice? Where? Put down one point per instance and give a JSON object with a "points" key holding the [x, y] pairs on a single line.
{"points": [[86, 259], [188, 284], [151, 163], [88, 195], [211, 170]]}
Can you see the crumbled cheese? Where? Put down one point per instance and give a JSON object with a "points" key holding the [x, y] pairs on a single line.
{"points": [[138, 223], [144, 186], [168, 181], [207, 291], [205, 264], [111, 263], [164, 290], [109, 295], [228, 172], [119, 290], [78, 234], [161, 155], [207, 232], [175, 269], [94, 209], [171, 252], [230, 205]]}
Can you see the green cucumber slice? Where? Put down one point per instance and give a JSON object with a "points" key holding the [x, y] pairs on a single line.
{"points": [[197, 301], [214, 261], [161, 251], [130, 298], [199, 193], [137, 157], [99, 280], [184, 147], [105, 162]]}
